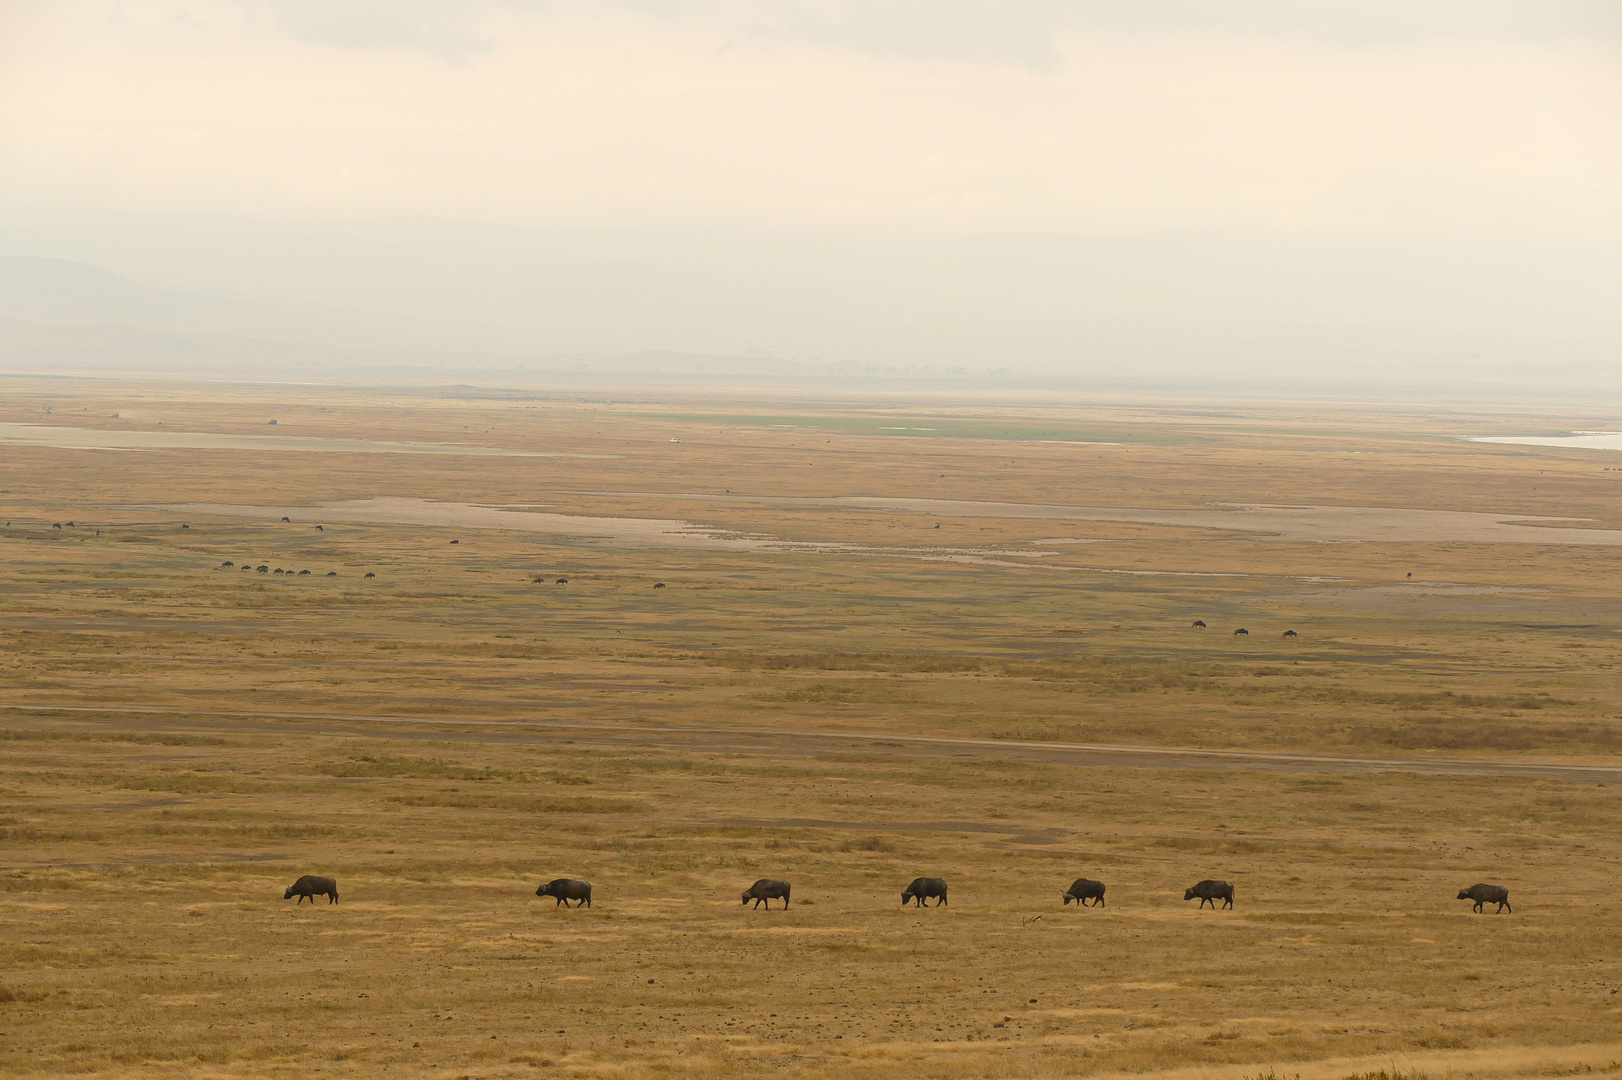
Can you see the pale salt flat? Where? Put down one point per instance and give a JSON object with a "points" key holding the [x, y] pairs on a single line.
{"points": [[72, 438], [1577, 440], [609, 531], [1322, 524]]}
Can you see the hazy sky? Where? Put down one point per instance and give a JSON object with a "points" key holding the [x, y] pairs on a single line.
{"points": [[951, 116]]}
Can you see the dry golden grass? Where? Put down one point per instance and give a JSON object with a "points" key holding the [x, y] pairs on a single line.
{"points": [[181, 741]]}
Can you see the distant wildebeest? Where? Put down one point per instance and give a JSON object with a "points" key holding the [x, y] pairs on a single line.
{"points": [[767, 889], [278, 570], [368, 576], [1241, 632], [183, 525], [303, 573], [658, 584], [227, 564], [263, 569], [1199, 624], [1488, 894], [563, 581], [1211, 891], [320, 528], [56, 524], [245, 566], [332, 573], [564, 889], [1410, 573], [456, 541], [288, 520], [924, 887], [1086, 889], [71, 525], [1291, 633], [310, 886]]}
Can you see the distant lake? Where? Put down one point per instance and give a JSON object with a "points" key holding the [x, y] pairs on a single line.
{"points": [[1577, 440]]}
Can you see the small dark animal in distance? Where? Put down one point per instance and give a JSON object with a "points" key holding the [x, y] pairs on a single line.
{"points": [[71, 525], [1086, 889], [227, 564], [368, 576], [563, 581], [263, 569], [658, 584], [278, 570], [56, 524], [456, 541], [767, 889], [923, 888], [564, 889], [288, 520], [1199, 624], [245, 566], [1210, 892], [332, 573], [1488, 894], [1291, 633], [320, 528], [311, 886], [183, 525], [303, 573], [1241, 632]]}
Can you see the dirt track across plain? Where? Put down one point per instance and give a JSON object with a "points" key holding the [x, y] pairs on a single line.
{"points": [[728, 740]]}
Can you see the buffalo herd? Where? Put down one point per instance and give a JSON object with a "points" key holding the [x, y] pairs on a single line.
{"points": [[563, 890]]}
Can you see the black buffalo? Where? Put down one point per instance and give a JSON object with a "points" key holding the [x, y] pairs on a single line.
{"points": [[1211, 891], [1086, 889], [310, 886], [1488, 894], [923, 888], [767, 889], [564, 889]]}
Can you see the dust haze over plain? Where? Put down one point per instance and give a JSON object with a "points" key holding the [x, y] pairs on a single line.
{"points": [[1381, 199]]}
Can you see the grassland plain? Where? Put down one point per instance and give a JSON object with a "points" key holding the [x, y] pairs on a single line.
{"points": [[182, 739]]}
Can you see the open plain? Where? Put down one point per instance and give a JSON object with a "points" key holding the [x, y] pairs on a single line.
{"points": [[893, 638]]}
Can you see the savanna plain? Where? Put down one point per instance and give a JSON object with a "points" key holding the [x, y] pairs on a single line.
{"points": [[671, 645]]}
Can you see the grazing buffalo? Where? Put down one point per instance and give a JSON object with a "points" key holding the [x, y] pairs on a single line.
{"points": [[767, 889], [1291, 633], [1199, 624], [368, 576], [1488, 894], [1086, 889], [1210, 892], [310, 886], [564, 889], [923, 888], [1241, 632]]}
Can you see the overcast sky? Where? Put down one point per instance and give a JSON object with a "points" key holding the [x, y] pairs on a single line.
{"points": [[1392, 192], [937, 115]]}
